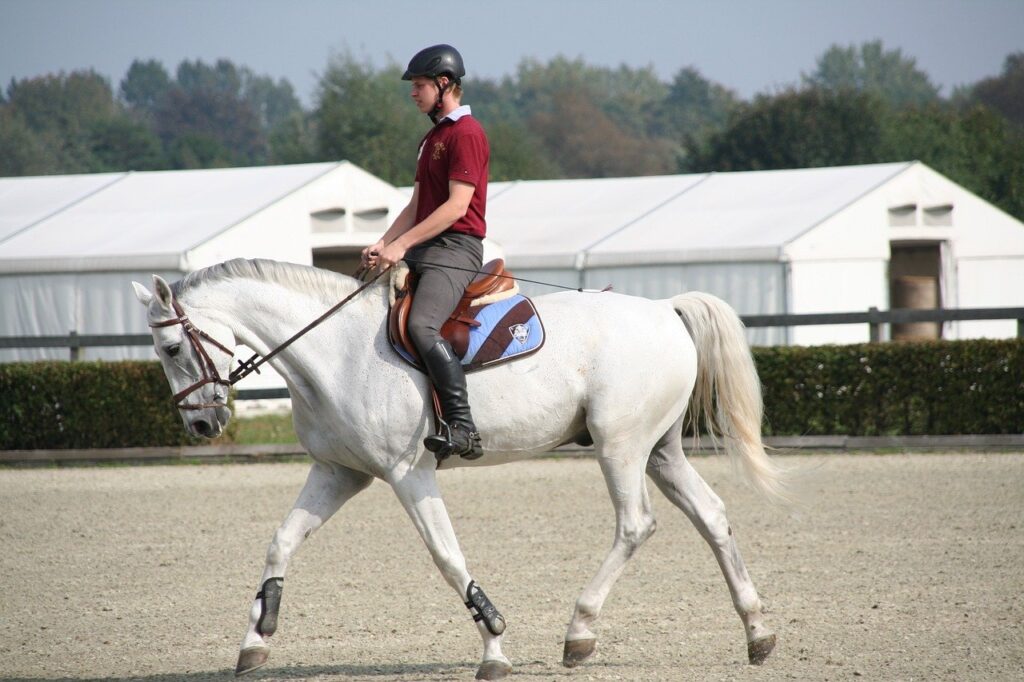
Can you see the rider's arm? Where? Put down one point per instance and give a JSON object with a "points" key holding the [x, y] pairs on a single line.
{"points": [[460, 194], [401, 224]]}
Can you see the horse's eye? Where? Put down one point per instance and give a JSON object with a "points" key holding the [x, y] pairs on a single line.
{"points": [[173, 349]]}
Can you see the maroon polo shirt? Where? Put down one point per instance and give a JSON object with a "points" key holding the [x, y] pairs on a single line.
{"points": [[454, 150]]}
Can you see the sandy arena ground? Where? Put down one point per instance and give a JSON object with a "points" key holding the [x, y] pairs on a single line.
{"points": [[899, 567]]}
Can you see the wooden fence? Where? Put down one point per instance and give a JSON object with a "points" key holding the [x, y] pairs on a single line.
{"points": [[873, 317]]}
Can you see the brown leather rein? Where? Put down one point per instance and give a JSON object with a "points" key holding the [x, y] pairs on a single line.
{"points": [[210, 375]]}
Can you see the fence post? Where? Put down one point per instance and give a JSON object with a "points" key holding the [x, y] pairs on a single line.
{"points": [[73, 344], [874, 325]]}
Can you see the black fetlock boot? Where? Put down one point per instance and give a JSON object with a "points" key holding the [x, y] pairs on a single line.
{"points": [[458, 434]]}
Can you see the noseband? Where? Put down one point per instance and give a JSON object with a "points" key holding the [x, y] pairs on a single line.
{"points": [[210, 375]]}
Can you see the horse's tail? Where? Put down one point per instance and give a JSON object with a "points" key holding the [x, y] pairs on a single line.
{"points": [[726, 399]]}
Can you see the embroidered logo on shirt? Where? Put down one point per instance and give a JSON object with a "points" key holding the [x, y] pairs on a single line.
{"points": [[439, 149]]}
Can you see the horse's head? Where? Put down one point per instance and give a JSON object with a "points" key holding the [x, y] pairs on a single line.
{"points": [[194, 356]]}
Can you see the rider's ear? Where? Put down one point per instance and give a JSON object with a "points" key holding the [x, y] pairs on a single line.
{"points": [[163, 291], [142, 293]]}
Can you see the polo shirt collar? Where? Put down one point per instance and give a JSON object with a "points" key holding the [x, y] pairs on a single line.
{"points": [[458, 113]]}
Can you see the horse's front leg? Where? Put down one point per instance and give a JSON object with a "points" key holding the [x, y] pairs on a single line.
{"points": [[326, 489], [416, 488]]}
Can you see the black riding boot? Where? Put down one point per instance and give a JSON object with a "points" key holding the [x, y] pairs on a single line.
{"points": [[458, 433]]}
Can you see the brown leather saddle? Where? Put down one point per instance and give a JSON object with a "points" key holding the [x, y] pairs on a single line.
{"points": [[492, 284]]}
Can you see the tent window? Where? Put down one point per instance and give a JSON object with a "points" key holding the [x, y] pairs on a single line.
{"points": [[938, 215], [903, 215], [374, 220], [331, 220]]}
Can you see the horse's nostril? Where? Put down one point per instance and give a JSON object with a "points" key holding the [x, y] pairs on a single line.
{"points": [[202, 427]]}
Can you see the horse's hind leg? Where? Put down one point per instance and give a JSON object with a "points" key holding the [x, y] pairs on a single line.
{"points": [[417, 490], [634, 523], [326, 489], [685, 488]]}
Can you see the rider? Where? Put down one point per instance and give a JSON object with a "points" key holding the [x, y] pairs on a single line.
{"points": [[441, 231]]}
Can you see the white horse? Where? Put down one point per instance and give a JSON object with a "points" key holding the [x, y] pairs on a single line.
{"points": [[615, 370]]}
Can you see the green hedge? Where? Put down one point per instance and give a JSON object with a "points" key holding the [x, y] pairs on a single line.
{"points": [[934, 388], [931, 388], [56, 405]]}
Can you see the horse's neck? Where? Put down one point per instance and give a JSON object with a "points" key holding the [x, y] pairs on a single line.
{"points": [[264, 315]]}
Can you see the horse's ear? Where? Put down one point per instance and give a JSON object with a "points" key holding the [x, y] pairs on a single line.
{"points": [[142, 293], [163, 291]]}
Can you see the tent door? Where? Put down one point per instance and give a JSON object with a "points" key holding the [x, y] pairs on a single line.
{"points": [[915, 273]]}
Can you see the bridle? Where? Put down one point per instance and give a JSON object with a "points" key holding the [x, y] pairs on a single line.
{"points": [[210, 375]]}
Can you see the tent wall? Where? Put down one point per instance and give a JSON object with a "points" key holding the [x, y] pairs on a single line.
{"points": [[990, 283], [54, 304], [560, 277], [750, 288], [833, 287]]}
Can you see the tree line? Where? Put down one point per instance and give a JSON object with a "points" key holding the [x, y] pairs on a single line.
{"points": [[562, 118]]}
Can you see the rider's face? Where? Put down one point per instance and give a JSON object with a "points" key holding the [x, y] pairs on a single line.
{"points": [[424, 93]]}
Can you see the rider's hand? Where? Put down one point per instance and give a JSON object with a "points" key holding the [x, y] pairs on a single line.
{"points": [[369, 254], [389, 255]]}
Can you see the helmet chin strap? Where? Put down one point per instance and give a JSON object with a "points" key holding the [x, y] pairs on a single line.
{"points": [[435, 113]]}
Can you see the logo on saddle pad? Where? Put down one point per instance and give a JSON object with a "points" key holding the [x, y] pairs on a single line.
{"points": [[519, 332]]}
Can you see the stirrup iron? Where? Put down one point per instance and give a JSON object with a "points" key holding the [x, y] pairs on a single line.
{"points": [[443, 438]]}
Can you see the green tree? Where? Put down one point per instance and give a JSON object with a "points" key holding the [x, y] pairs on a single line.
{"points": [[58, 122], [594, 121], [976, 148], [627, 96], [206, 116], [293, 140], [120, 143], [22, 150], [144, 86], [873, 69], [516, 154], [693, 105], [1004, 93], [364, 115], [274, 102], [794, 129]]}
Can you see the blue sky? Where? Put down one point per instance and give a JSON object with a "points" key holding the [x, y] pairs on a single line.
{"points": [[747, 45]]}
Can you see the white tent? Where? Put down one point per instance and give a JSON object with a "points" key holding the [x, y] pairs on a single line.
{"points": [[790, 241], [795, 241], [71, 245]]}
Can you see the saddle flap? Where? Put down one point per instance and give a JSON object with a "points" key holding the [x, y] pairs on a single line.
{"points": [[478, 329]]}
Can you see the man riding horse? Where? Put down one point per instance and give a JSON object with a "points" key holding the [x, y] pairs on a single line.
{"points": [[441, 231]]}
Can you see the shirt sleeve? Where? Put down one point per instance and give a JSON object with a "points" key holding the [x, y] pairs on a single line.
{"points": [[469, 155]]}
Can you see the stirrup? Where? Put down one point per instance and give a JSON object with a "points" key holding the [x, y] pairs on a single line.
{"points": [[443, 445]]}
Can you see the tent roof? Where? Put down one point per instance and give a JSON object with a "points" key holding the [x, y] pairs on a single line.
{"points": [[721, 216], [27, 201], [139, 215]]}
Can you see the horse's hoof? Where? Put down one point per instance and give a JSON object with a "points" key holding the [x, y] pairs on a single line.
{"points": [[577, 651], [760, 649], [493, 670], [251, 658]]}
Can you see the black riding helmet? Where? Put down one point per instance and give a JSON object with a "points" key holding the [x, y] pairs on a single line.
{"points": [[434, 62]]}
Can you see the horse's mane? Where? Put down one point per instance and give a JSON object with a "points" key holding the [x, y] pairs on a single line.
{"points": [[300, 278]]}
